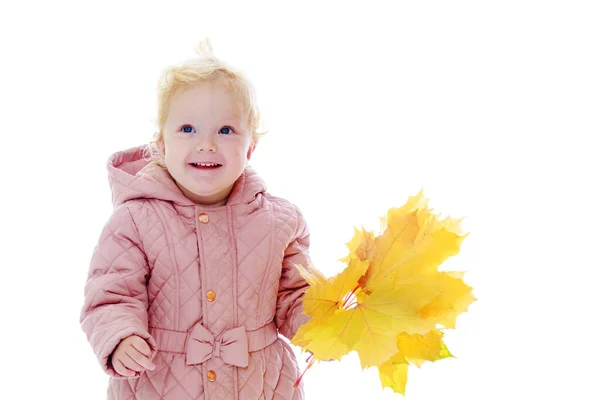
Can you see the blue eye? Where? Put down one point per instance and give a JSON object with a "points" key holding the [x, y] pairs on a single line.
{"points": [[225, 127], [187, 128]]}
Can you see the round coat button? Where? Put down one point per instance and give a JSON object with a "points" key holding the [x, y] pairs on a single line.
{"points": [[203, 218], [210, 295], [212, 375]]}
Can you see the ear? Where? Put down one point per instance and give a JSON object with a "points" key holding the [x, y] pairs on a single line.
{"points": [[251, 149], [160, 144]]}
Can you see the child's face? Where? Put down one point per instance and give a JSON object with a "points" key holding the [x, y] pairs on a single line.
{"points": [[206, 124]]}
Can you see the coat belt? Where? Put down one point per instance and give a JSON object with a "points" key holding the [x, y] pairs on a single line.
{"points": [[200, 345]]}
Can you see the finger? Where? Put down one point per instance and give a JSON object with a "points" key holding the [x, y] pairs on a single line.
{"points": [[130, 363], [141, 346], [141, 360], [122, 369]]}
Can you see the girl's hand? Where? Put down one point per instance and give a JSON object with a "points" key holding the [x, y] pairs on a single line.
{"points": [[132, 355]]}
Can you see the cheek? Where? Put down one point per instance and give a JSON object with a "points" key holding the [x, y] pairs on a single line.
{"points": [[172, 148], [172, 155], [238, 149]]}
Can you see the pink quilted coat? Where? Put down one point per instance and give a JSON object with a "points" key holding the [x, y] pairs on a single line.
{"points": [[209, 289]]}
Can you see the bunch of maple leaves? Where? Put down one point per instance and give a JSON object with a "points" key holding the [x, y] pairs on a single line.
{"points": [[389, 302]]}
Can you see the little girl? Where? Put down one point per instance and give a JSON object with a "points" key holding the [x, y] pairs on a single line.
{"points": [[194, 275]]}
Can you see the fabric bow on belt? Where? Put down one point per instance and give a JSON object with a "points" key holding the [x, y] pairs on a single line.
{"points": [[231, 346]]}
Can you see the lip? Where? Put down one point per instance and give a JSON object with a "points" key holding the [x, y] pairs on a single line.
{"points": [[205, 162], [205, 169]]}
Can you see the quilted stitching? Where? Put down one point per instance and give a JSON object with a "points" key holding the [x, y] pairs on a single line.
{"points": [[155, 261]]}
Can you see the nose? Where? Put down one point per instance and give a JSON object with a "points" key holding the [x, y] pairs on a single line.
{"points": [[207, 144]]}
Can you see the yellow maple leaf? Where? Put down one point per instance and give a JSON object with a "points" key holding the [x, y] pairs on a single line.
{"points": [[413, 349], [453, 299], [387, 303], [415, 242], [417, 349], [325, 295], [366, 323], [394, 373], [361, 246]]}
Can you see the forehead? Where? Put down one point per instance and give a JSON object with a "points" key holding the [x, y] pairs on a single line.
{"points": [[207, 101]]}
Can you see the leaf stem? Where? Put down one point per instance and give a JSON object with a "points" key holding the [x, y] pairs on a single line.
{"points": [[349, 296], [312, 361]]}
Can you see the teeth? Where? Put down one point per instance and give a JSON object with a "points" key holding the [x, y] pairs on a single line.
{"points": [[205, 164]]}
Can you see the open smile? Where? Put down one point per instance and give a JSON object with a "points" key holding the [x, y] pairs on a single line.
{"points": [[205, 166]]}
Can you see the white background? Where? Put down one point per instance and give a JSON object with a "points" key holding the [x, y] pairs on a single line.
{"points": [[491, 106]]}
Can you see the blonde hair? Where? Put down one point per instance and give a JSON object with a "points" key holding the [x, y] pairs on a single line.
{"points": [[205, 68]]}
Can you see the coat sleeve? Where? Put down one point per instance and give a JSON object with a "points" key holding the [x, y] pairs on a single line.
{"points": [[115, 294], [289, 314]]}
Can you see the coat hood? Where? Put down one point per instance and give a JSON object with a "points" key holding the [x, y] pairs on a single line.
{"points": [[132, 175]]}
